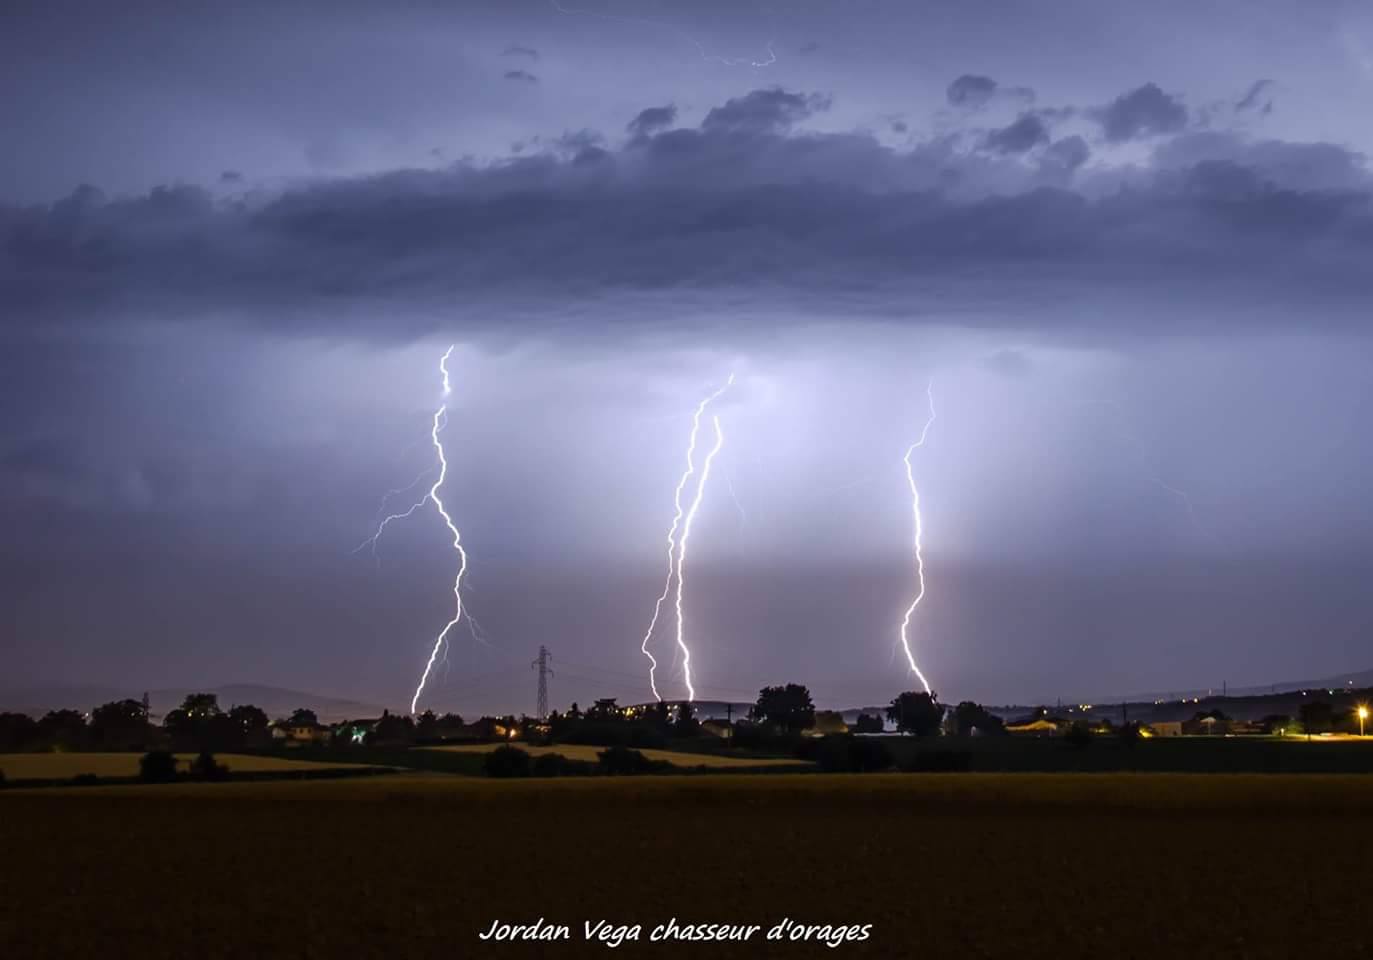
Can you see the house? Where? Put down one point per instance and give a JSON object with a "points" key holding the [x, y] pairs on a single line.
{"points": [[300, 734], [718, 728], [1166, 728]]}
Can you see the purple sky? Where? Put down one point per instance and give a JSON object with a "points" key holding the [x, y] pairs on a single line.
{"points": [[1129, 243]]}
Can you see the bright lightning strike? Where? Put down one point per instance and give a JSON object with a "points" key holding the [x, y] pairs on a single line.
{"points": [[919, 557], [673, 560], [681, 555], [441, 420]]}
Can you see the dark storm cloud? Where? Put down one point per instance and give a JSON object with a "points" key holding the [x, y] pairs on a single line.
{"points": [[1025, 133], [971, 91], [746, 206], [651, 120], [517, 50], [1144, 111], [521, 76], [763, 112]]}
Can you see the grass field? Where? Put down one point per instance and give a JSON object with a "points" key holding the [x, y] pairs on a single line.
{"points": [[574, 751], [941, 865], [56, 766]]}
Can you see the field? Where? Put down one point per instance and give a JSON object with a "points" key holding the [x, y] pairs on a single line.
{"points": [[574, 751], [57, 766], [1117, 865]]}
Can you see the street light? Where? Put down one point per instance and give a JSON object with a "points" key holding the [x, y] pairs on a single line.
{"points": [[1363, 715]]}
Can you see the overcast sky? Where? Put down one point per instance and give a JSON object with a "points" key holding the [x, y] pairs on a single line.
{"points": [[1127, 243]]}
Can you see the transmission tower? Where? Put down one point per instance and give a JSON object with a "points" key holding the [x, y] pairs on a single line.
{"points": [[544, 672]]}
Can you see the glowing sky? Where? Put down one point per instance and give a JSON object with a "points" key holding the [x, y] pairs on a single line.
{"points": [[1129, 242]]}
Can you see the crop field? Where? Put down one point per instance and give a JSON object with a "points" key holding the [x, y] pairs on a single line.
{"points": [[56, 766], [574, 751], [1118, 865]]}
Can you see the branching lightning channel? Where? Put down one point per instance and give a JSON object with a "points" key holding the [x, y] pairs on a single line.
{"points": [[682, 553], [672, 553], [441, 420], [919, 529]]}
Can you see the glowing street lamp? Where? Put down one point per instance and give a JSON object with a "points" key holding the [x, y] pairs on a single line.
{"points": [[1363, 715]]}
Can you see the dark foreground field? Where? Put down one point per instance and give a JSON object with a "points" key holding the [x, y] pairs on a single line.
{"points": [[940, 865]]}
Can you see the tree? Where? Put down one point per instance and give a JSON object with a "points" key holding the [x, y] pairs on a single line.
{"points": [[686, 724], [249, 725], [157, 766], [506, 762], [970, 718], [18, 731], [201, 705], [302, 717], [868, 723], [622, 761], [660, 715], [788, 707], [206, 767], [426, 726], [119, 725], [63, 729], [1317, 717], [916, 713]]}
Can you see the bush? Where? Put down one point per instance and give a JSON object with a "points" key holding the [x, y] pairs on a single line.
{"points": [[157, 766], [1079, 735], [844, 754], [85, 780], [622, 761], [205, 767], [506, 762], [938, 761], [550, 765]]}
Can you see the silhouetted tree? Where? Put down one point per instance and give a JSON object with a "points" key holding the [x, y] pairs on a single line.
{"points": [[1276, 723], [622, 761], [201, 705], [788, 707], [686, 724], [574, 712], [868, 723], [392, 730], [1079, 734], [661, 716], [63, 729], [206, 767], [157, 766], [18, 731], [120, 725], [302, 717], [1318, 716], [916, 713], [506, 762], [249, 725], [969, 717], [426, 725]]}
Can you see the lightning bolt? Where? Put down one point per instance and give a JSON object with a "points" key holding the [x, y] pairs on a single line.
{"points": [[440, 421], [681, 555], [919, 557], [660, 24], [673, 561]]}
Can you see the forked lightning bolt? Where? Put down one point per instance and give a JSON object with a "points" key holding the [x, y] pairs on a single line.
{"points": [[673, 557], [919, 557], [682, 552], [439, 422]]}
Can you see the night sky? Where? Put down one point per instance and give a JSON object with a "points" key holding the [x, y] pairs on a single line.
{"points": [[1129, 244]]}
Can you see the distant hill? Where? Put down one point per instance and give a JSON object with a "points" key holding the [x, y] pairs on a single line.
{"points": [[275, 701]]}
